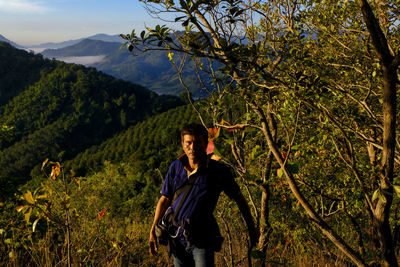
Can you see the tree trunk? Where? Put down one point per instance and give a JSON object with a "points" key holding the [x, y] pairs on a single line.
{"points": [[265, 227], [390, 64], [382, 209], [321, 224]]}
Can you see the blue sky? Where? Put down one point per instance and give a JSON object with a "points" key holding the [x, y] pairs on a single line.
{"points": [[29, 22]]}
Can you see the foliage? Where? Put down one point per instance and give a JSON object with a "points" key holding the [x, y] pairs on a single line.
{"points": [[48, 119], [97, 217], [311, 75]]}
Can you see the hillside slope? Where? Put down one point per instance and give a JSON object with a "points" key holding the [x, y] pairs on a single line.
{"points": [[63, 110]]}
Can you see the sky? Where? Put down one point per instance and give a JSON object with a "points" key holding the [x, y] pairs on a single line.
{"points": [[32, 22]]}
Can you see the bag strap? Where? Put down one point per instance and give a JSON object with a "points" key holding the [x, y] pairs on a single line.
{"points": [[188, 186]]}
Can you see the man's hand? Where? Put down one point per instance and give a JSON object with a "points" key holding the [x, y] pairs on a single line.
{"points": [[254, 233], [153, 246], [162, 206]]}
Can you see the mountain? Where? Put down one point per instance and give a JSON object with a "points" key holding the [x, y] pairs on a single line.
{"points": [[100, 37], [151, 69], [86, 47], [107, 38], [4, 39], [62, 109]]}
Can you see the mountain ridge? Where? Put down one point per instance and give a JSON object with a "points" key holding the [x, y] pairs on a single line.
{"points": [[4, 39], [100, 36], [152, 69]]}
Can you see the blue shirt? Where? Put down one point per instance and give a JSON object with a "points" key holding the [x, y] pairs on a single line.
{"points": [[213, 178]]}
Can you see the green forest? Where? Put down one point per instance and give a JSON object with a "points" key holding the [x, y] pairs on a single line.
{"points": [[303, 107]]}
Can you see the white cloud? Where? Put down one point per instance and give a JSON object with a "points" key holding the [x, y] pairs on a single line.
{"points": [[22, 6]]}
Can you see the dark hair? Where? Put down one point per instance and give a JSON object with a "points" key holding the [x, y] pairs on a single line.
{"points": [[195, 129]]}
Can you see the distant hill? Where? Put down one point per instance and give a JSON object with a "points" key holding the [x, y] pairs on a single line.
{"points": [[86, 47], [60, 109], [4, 39], [100, 37], [151, 69]]}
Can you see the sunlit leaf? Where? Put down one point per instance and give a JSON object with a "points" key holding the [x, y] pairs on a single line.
{"points": [[28, 197], [213, 133], [100, 214], [44, 163], [171, 56], [44, 196], [34, 224], [27, 214], [215, 157], [210, 147], [279, 172], [55, 171], [397, 190], [20, 208], [375, 195], [379, 195]]}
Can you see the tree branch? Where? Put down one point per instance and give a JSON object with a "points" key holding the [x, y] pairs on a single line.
{"points": [[378, 37]]}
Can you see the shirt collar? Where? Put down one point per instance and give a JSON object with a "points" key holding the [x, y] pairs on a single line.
{"points": [[184, 160]]}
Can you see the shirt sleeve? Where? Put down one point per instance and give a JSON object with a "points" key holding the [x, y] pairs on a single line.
{"points": [[230, 187], [167, 189]]}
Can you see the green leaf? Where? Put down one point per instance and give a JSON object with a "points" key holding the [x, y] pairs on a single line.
{"points": [[378, 195], [397, 190], [171, 56], [34, 224], [375, 195], [279, 172], [28, 214], [28, 197], [179, 18], [20, 208]]}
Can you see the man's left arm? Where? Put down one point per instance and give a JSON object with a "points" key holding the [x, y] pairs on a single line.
{"points": [[245, 210]]}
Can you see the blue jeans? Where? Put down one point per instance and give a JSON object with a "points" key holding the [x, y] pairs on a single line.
{"points": [[199, 257]]}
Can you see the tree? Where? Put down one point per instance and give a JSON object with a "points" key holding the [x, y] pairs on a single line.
{"points": [[286, 59]]}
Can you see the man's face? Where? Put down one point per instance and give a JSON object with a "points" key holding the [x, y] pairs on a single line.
{"points": [[194, 146]]}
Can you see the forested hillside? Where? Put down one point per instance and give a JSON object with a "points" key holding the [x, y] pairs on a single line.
{"points": [[152, 70], [148, 145], [59, 109], [18, 70]]}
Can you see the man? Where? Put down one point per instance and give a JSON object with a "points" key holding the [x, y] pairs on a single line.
{"points": [[199, 237]]}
